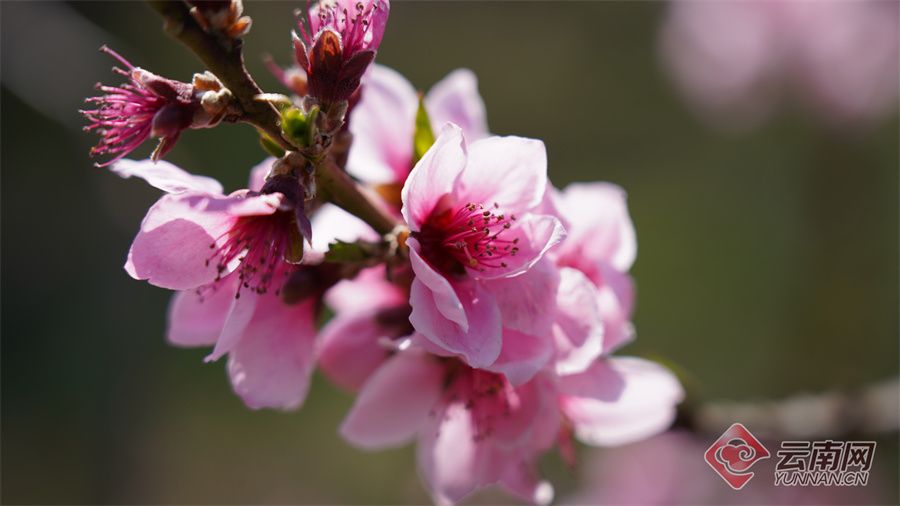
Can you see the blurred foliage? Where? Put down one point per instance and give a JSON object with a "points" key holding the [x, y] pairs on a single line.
{"points": [[768, 261]]}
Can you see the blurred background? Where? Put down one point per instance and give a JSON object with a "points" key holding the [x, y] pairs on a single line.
{"points": [[767, 230]]}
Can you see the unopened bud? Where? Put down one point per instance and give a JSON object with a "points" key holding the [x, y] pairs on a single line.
{"points": [[221, 15]]}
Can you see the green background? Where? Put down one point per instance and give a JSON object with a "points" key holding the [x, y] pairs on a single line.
{"points": [[767, 261]]}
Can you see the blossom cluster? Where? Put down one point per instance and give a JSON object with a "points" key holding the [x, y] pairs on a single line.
{"points": [[481, 326]]}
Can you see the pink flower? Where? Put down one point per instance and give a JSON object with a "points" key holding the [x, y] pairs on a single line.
{"points": [[147, 106], [195, 235], [371, 314], [270, 344], [340, 44], [619, 400], [735, 60], [382, 151], [473, 241], [473, 427], [602, 245], [476, 428]]}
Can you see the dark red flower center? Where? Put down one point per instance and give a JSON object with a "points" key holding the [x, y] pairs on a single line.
{"points": [[468, 237]]}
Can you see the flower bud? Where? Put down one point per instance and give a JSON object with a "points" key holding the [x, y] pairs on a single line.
{"points": [[221, 15], [340, 44]]}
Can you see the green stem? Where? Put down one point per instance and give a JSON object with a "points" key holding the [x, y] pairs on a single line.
{"points": [[337, 187]]}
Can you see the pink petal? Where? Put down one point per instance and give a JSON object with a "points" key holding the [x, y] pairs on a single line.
{"points": [[606, 233], [579, 329], [239, 203], [522, 356], [508, 171], [599, 381], [451, 462], [382, 150], [369, 290], [166, 177], [522, 478], [480, 346], [196, 317], [528, 301], [394, 404], [536, 234], [528, 403], [239, 316], [646, 405], [258, 174], [442, 292], [455, 99], [173, 246], [434, 176], [349, 350], [331, 224], [271, 365], [615, 299]]}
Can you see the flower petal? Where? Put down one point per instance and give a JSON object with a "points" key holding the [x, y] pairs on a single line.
{"points": [[615, 298], [331, 224], [434, 176], [522, 356], [349, 350], [395, 402], [578, 330], [239, 316], [606, 233], [166, 176], [455, 99], [521, 478], [258, 174], [450, 460], [508, 171], [196, 317], [271, 365], [536, 234], [173, 246], [481, 345], [528, 301], [382, 150], [442, 292], [645, 406]]}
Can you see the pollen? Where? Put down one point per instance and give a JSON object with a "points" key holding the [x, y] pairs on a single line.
{"points": [[471, 237], [263, 245]]}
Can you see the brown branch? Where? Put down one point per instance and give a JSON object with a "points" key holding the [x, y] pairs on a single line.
{"points": [[224, 58]]}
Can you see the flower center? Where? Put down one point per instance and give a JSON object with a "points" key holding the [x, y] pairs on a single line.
{"points": [[489, 399], [470, 237], [261, 244]]}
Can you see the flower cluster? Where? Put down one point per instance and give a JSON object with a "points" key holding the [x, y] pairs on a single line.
{"points": [[481, 326]]}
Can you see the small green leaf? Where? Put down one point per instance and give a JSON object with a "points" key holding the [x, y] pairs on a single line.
{"points": [[423, 137], [270, 146], [346, 252], [299, 127]]}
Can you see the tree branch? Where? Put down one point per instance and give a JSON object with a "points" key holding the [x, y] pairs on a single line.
{"points": [[224, 58]]}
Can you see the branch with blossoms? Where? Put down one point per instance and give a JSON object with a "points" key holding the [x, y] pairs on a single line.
{"points": [[476, 307]]}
